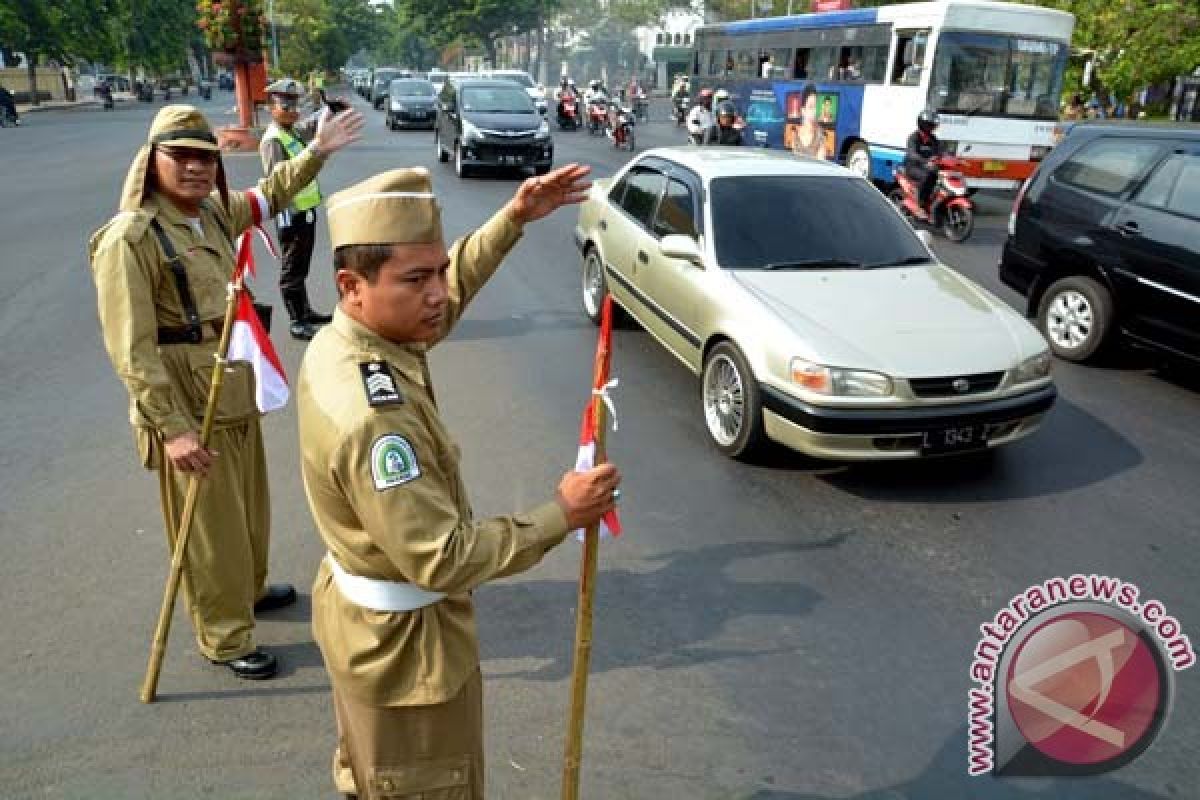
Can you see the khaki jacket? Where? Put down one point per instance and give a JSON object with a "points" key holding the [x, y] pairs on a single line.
{"points": [[136, 295], [413, 524]]}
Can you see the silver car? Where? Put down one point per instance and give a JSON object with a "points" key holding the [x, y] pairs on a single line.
{"points": [[813, 314]]}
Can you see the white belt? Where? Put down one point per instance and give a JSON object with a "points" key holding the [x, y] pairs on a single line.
{"points": [[380, 595]]}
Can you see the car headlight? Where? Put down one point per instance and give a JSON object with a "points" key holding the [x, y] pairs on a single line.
{"points": [[543, 130], [1034, 368], [839, 382], [469, 131]]}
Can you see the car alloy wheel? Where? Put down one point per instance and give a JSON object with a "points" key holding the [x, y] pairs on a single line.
{"points": [[732, 412], [1075, 316], [594, 287], [1069, 320]]}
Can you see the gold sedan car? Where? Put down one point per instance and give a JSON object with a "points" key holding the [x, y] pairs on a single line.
{"points": [[811, 311]]}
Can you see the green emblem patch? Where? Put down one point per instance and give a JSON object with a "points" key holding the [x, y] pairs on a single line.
{"points": [[393, 462]]}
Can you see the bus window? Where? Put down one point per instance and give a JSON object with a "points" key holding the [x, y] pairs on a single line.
{"points": [[715, 58], [780, 59], [730, 66], [800, 70], [747, 64], [910, 57], [862, 64], [822, 63]]}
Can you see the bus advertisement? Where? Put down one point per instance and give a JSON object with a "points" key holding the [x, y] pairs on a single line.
{"points": [[848, 85]]}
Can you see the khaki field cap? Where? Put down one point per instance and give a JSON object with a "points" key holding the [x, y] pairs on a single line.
{"points": [[173, 126], [182, 126], [286, 86], [395, 207]]}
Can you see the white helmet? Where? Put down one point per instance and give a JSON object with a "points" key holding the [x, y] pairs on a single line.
{"points": [[721, 95]]}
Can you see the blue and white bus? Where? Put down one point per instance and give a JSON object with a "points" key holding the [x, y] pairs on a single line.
{"points": [[848, 85]]}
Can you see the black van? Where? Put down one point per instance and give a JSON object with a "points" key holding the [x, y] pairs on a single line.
{"points": [[1105, 237], [484, 122]]}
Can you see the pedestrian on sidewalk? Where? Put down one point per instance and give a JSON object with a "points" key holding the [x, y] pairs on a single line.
{"points": [[161, 268], [392, 606], [286, 137], [8, 106]]}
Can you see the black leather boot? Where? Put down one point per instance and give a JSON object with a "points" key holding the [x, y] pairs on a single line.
{"points": [[313, 317], [257, 665], [296, 304]]}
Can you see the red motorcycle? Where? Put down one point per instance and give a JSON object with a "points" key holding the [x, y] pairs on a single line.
{"points": [[597, 116], [621, 129], [568, 114], [950, 207]]}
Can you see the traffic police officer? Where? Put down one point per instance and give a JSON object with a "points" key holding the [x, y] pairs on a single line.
{"points": [[161, 268], [285, 138], [392, 609]]}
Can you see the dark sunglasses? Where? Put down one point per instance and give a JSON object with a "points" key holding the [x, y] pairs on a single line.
{"points": [[182, 155], [286, 105]]}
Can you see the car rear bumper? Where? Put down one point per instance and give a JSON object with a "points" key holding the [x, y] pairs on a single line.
{"points": [[897, 433]]}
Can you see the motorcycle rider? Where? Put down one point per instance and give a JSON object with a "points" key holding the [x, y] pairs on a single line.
{"points": [[8, 105], [566, 89], [700, 118], [596, 95], [920, 159], [725, 130]]}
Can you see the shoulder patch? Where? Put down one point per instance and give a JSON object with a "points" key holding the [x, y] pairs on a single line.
{"points": [[379, 384], [393, 462]]}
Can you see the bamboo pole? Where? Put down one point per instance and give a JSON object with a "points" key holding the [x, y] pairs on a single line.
{"points": [[573, 755], [163, 628]]}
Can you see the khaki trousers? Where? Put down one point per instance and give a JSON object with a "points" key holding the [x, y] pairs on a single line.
{"points": [[226, 566], [414, 752]]}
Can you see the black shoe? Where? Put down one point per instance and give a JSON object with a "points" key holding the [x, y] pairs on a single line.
{"points": [[254, 666], [304, 331], [278, 595], [317, 318]]}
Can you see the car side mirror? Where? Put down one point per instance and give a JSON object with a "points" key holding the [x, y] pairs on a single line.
{"points": [[684, 248]]}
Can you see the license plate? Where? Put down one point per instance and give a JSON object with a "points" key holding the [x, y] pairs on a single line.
{"points": [[954, 440], [514, 160], [994, 166]]}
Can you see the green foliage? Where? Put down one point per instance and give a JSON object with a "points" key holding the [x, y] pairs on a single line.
{"points": [[479, 22], [235, 27], [323, 34]]}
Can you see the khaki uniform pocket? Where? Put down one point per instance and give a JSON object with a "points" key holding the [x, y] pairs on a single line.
{"points": [[433, 779], [236, 402]]}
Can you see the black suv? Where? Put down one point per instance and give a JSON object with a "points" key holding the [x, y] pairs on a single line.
{"points": [[1106, 237], [484, 122]]}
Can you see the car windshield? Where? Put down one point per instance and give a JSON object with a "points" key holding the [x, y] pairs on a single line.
{"points": [[412, 89], [498, 99], [976, 73], [808, 222], [385, 76], [517, 77]]}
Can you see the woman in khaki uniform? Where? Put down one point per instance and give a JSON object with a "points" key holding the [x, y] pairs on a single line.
{"points": [[161, 268], [392, 610]]}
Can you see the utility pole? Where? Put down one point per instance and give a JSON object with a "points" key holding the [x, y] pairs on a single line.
{"points": [[274, 33]]}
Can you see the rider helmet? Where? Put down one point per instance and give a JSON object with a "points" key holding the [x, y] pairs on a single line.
{"points": [[721, 95], [724, 110], [927, 121], [594, 85]]}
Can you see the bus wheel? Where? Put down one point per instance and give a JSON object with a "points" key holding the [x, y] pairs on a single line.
{"points": [[858, 160]]}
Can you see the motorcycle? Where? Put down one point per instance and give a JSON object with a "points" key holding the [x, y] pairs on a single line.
{"points": [[950, 206], [679, 109], [620, 130], [597, 116], [568, 114], [106, 98], [641, 107]]}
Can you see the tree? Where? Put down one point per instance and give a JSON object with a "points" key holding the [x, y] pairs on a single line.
{"points": [[480, 22], [63, 31], [323, 34]]}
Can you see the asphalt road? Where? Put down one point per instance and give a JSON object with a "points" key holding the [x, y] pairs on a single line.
{"points": [[782, 631]]}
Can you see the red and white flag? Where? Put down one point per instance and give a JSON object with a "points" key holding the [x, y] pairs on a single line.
{"points": [[249, 340], [610, 525]]}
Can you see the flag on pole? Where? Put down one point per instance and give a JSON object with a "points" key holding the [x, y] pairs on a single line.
{"points": [[610, 525], [249, 340]]}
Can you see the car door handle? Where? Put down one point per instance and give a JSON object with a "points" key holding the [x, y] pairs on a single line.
{"points": [[642, 257], [603, 225], [1129, 228]]}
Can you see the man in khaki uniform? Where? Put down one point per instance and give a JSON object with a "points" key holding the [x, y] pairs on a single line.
{"points": [[392, 609], [161, 268]]}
